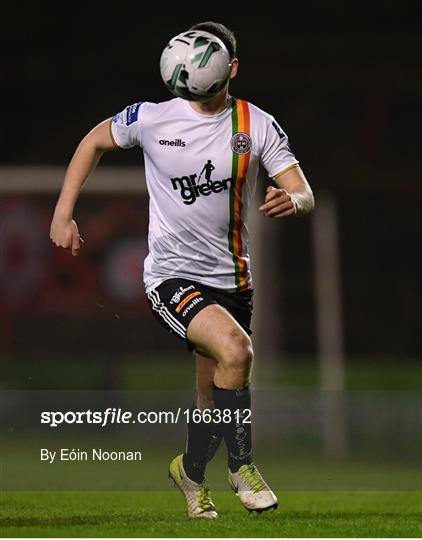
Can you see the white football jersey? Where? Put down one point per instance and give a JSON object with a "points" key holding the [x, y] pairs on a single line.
{"points": [[200, 173]]}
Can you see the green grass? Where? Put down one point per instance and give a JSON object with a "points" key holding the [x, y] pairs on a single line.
{"points": [[162, 514], [355, 496], [144, 372], [302, 468]]}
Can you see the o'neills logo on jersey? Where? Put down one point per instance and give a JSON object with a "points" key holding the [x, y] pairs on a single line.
{"points": [[191, 187], [176, 142]]}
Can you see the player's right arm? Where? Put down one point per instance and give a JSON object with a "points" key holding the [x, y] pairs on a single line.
{"points": [[64, 231]]}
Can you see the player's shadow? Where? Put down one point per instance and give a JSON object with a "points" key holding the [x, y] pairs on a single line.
{"points": [[65, 521]]}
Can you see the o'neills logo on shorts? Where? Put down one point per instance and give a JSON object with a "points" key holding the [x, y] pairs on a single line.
{"points": [[191, 187], [194, 302], [187, 300]]}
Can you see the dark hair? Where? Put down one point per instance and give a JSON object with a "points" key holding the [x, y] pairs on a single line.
{"points": [[220, 31]]}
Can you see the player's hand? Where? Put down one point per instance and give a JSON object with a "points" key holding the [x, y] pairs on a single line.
{"points": [[64, 233], [278, 203]]}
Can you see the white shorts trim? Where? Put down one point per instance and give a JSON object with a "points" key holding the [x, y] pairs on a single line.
{"points": [[165, 314]]}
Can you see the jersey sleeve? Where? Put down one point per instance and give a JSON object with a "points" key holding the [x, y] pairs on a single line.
{"points": [[126, 127], [276, 154]]}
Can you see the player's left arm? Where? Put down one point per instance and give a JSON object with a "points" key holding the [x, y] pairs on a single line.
{"points": [[292, 197]]}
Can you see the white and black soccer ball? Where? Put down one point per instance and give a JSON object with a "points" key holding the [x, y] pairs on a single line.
{"points": [[195, 65]]}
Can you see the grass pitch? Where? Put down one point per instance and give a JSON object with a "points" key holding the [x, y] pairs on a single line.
{"points": [[162, 514]]}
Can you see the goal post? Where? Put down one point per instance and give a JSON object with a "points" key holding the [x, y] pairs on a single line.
{"points": [[329, 323]]}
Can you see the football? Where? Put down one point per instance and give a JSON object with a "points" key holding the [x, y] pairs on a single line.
{"points": [[195, 65]]}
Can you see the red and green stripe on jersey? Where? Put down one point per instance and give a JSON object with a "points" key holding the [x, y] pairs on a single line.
{"points": [[240, 162]]}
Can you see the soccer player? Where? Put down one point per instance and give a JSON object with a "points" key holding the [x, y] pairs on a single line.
{"points": [[201, 163]]}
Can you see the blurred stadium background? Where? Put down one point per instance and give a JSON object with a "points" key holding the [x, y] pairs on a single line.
{"points": [[338, 295]]}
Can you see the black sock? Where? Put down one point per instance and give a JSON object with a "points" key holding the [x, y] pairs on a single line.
{"points": [[202, 443], [237, 434]]}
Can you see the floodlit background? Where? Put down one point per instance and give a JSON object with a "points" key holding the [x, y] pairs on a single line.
{"points": [[337, 322]]}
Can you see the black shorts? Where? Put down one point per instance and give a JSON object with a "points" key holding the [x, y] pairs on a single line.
{"points": [[175, 302]]}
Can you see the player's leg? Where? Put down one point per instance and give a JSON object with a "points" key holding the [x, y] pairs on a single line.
{"points": [[215, 333], [205, 372], [178, 304], [188, 470], [203, 438], [173, 304]]}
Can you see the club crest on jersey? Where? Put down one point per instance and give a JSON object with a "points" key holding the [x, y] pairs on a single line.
{"points": [[241, 143]]}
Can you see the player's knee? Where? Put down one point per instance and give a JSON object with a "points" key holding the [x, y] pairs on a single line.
{"points": [[237, 351]]}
